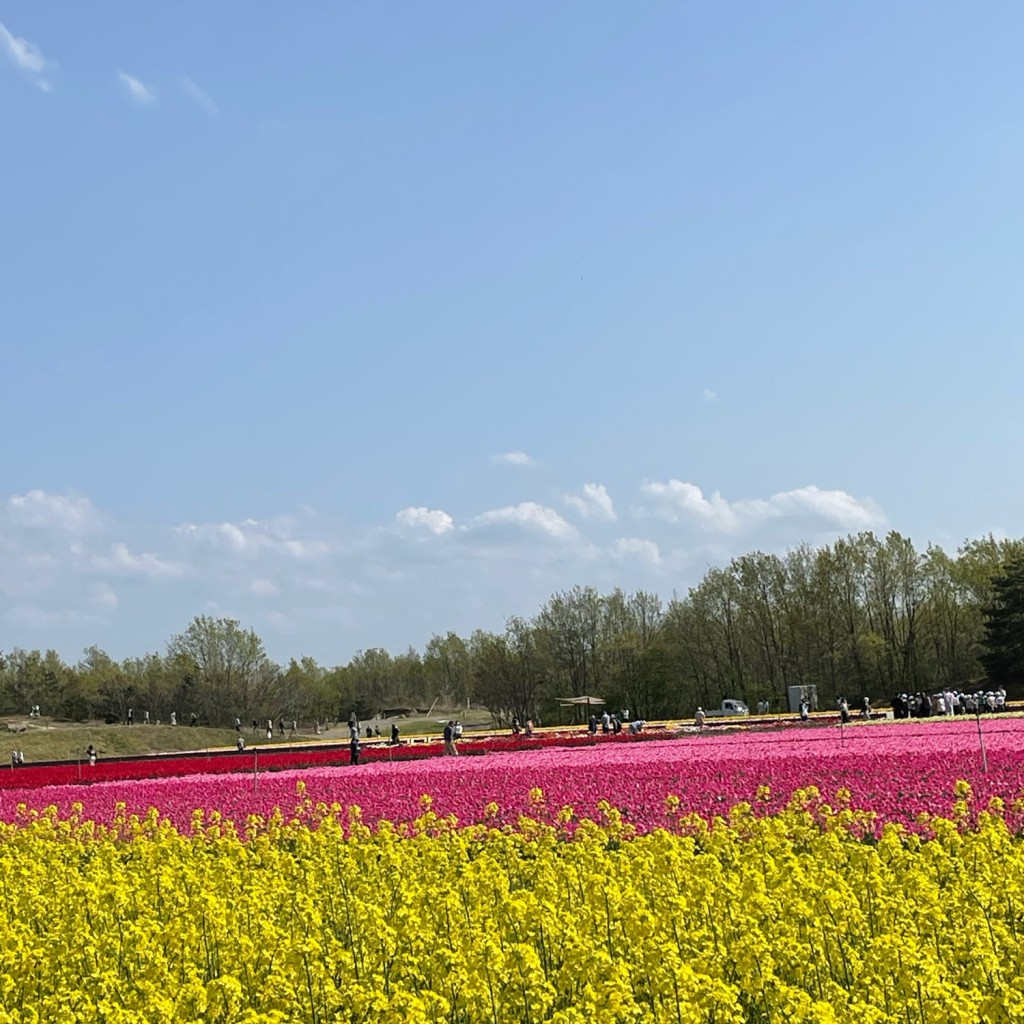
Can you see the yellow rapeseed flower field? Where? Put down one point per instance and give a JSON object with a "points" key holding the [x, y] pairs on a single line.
{"points": [[793, 917]]}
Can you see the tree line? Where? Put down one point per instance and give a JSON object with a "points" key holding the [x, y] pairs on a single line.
{"points": [[864, 616]]}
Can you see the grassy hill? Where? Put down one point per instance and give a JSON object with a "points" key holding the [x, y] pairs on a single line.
{"points": [[45, 739], [41, 739]]}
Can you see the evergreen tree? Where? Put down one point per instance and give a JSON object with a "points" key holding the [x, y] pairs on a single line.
{"points": [[1004, 622]]}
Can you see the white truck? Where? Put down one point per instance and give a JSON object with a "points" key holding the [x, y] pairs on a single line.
{"points": [[728, 709]]}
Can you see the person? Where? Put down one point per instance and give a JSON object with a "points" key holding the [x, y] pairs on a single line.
{"points": [[458, 729], [394, 735], [145, 718], [844, 711], [90, 753], [240, 743], [803, 711], [699, 719], [369, 732], [529, 727], [14, 759], [353, 727], [174, 718], [353, 748], [21, 756], [131, 717], [449, 739], [866, 708], [238, 725], [376, 731], [270, 728], [280, 727], [255, 727], [516, 727], [606, 723], [193, 719], [592, 725]]}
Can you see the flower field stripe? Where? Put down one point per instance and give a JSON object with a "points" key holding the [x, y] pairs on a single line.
{"points": [[789, 917], [897, 774], [271, 758]]}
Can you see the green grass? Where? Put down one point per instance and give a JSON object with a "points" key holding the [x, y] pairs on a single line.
{"points": [[434, 725], [43, 740]]}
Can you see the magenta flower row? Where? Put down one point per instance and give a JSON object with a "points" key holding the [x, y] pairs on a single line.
{"points": [[897, 771]]}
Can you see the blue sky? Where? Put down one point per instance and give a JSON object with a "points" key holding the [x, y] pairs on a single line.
{"points": [[364, 322]]}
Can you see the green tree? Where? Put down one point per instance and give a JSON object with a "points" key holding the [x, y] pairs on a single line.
{"points": [[448, 668], [1004, 623], [224, 671]]}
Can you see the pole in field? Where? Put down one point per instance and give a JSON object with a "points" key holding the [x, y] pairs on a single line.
{"points": [[981, 743]]}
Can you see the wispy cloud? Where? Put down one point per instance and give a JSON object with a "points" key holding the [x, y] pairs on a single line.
{"points": [[66, 513], [433, 520], [594, 502], [527, 515], [27, 57], [709, 395], [203, 98], [513, 459], [72, 573], [122, 561], [677, 501], [138, 90], [635, 548]]}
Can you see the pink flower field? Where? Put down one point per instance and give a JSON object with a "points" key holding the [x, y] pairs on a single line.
{"points": [[897, 770]]}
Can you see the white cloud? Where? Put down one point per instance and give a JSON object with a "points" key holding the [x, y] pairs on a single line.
{"points": [[513, 459], [679, 502], [835, 507], [280, 623], [138, 90], [433, 520], [328, 589], [593, 502], [708, 395], [626, 548], [122, 561], [103, 597], [252, 539], [32, 617], [310, 548], [27, 57], [530, 516], [193, 91], [63, 512]]}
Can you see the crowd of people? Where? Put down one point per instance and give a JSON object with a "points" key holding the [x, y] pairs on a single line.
{"points": [[613, 723], [948, 702]]}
